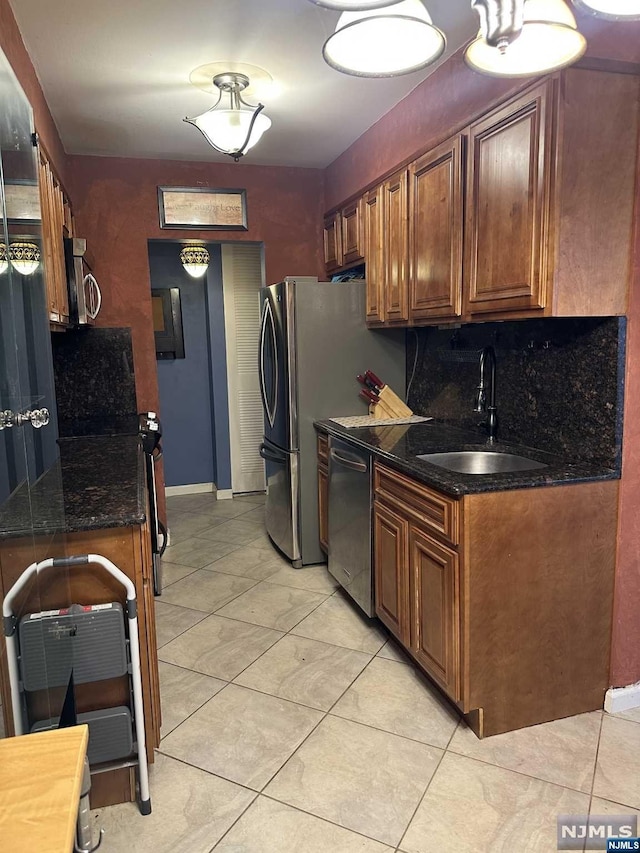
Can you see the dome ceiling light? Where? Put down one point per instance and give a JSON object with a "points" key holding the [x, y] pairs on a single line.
{"points": [[238, 128], [354, 5], [387, 41], [613, 10], [523, 38], [195, 260], [24, 257]]}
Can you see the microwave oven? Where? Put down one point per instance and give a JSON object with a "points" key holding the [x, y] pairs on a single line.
{"points": [[85, 297]]}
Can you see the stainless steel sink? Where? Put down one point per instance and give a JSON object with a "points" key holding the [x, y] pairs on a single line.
{"points": [[481, 462]]}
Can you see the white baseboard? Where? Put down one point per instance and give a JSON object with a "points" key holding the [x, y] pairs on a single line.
{"points": [[224, 494], [619, 699], [191, 489]]}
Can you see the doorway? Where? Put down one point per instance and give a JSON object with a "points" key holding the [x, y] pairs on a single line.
{"points": [[209, 399]]}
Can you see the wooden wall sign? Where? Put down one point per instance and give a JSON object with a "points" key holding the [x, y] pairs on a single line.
{"points": [[203, 208]]}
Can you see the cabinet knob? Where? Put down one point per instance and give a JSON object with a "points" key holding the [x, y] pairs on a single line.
{"points": [[38, 418]]}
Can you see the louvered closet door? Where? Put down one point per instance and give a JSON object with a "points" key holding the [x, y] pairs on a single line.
{"points": [[241, 282]]}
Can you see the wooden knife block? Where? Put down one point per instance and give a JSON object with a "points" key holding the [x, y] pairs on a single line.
{"points": [[390, 406]]}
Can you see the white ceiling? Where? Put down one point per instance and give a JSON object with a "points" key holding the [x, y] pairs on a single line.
{"points": [[116, 74]]}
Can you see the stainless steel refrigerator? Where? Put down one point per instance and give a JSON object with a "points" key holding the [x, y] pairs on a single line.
{"points": [[313, 343]]}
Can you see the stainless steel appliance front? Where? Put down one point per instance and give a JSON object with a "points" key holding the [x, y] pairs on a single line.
{"points": [[350, 540], [281, 508]]}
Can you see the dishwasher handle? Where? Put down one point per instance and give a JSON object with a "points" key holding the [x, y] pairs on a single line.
{"points": [[352, 464]]}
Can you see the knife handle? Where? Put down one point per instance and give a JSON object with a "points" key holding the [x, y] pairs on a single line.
{"points": [[369, 396], [373, 378]]}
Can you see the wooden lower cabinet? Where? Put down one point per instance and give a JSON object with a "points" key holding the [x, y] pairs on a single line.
{"points": [[323, 507], [507, 606], [435, 595], [130, 549], [391, 538]]}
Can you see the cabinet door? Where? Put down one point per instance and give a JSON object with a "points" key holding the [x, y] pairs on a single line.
{"points": [[323, 508], [352, 236], [332, 242], [372, 215], [391, 570], [510, 164], [395, 249], [52, 204], [435, 232], [435, 618]]}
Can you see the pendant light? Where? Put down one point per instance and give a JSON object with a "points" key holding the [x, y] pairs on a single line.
{"points": [[523, 38], [24, 257], [614, 10], [384, 42], [195, 260], [4, 263], [235, 130]]}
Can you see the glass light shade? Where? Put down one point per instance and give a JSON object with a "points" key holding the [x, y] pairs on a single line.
{"points": [[4, 263], [615, 10], [195, 260], [24, 257], [354, 5], [549, 40], [228, 129], [384, 42]]}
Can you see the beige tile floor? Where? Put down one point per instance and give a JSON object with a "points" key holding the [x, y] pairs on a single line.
{"points": [[292, 724]]}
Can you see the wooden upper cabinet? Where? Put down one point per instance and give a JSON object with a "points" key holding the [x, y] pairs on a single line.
{"points": [[541, 202], [395, 253], [332, 242], [391, 560], [352, 234], [436, 206], [56, 220], [510, 164], [372, 221], [435, 620]]}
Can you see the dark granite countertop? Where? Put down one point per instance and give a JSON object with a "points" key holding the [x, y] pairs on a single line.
{"points": [[399, 445], [98, 482]]}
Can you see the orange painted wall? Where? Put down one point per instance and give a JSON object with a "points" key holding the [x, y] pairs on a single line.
{"points": [[116, 209]]}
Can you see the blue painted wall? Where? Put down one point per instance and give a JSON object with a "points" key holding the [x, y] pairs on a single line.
{"points": [[193, 390]]}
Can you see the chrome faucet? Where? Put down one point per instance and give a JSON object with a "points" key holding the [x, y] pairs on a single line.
{"points": [[488, 354]]}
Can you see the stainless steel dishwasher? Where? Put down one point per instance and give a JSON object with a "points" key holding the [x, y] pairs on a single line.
{"points": [[350, 541]]}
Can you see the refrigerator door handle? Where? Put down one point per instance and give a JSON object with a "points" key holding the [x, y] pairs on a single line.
{"points": [[267, 317], [270, 456]]}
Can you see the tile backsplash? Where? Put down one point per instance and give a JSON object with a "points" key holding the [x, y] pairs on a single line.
{"points": [[559, 387], [95, 383]]}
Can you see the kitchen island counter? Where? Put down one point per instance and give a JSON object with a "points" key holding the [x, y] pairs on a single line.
{"points": [[97, 483]]}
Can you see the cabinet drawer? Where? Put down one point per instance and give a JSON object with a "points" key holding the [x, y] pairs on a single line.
{"points": [[436, 512], [323, 449]]}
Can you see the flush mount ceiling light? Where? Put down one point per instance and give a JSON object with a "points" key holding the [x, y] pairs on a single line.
{"points": [[522, 38], [354, 5], [384, 42], [4, 263], [238, 128], [614, 10], [195, 260], [24, 257]]}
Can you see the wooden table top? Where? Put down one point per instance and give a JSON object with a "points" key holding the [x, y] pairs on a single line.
{"points": [[40, 777]]}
